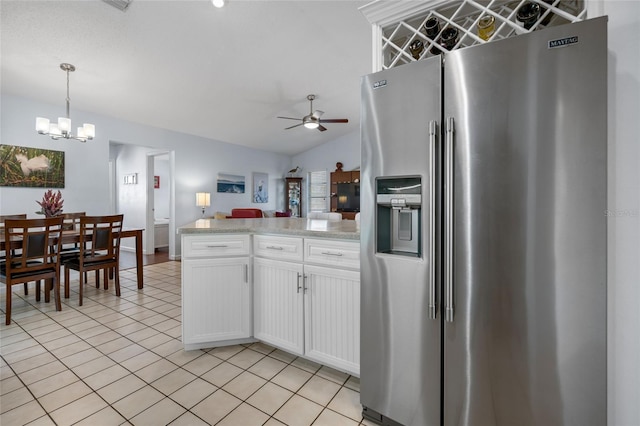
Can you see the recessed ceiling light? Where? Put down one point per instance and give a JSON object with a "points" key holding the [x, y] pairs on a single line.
{"points": [[218, 3]]}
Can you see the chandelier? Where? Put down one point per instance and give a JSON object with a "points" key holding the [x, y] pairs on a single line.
{"points": [[62, 129]]}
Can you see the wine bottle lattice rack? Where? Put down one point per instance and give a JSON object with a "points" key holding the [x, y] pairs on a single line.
{"points": [[464, 16]]}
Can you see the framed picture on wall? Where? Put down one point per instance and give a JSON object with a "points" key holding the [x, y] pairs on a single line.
{"points": [[232, 184], [31, 167], [156, 182], [260, 187], [130, 179]]}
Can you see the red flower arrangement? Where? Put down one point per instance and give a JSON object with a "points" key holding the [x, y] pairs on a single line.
{"points": [[51, 204]]}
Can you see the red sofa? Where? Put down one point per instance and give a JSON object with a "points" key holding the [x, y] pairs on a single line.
{"points": [[245, 214]]}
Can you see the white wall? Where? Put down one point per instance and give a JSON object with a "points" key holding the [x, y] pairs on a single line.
{"points": [[324, 157], [624, 212], [86, 180], [345, 150], [197, 163], [132, 198], [161, 195]]}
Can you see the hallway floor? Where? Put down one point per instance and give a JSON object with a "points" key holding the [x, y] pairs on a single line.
{"points": [[120, 361], [128, 258]]}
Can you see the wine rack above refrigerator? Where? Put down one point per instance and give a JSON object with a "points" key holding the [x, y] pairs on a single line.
{"points": [[424, 33]]}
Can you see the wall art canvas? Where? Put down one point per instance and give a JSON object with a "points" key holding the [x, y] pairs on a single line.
{"points": [[232, 184], [31, 167], [260, 187]]}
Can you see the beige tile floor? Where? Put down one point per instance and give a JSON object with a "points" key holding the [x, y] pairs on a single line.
{"points": [[117, 361]]}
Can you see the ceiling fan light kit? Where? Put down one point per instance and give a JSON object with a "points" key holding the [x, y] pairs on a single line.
{"points": [[313, 120], [310, 123]]}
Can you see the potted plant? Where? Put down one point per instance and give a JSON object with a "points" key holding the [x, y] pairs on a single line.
{"points": [[51, 204]]}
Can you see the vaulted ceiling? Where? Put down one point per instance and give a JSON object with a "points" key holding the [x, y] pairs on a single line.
{"points": [[223, 74]]}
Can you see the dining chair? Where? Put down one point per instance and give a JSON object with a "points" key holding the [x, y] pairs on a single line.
{"points": [[99, 249], [32, 247], [3, 256]]}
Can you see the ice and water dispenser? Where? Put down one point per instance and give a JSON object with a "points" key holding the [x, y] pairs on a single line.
{"points": [[399, 202]]}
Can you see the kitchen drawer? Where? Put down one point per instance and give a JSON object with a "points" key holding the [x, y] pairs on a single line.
{"points": [[275, 247], [221, 245], [345, 254]]}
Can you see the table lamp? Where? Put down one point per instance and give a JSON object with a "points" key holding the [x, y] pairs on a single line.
{"points": [[203, 199]]}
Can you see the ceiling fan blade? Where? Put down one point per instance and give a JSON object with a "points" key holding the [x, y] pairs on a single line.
{"points": [[334, 120], [317, 113], [321, 128], [290, 118], [295, 125]]}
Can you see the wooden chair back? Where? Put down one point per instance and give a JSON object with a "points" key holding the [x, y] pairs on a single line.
{"points": [[11, 216], [3, 256], [39, 240], [100, 238], [99, 250], [71, 221], [32, 254]]}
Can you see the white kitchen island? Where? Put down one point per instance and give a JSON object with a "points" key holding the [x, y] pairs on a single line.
{"points": [[292, 283]]}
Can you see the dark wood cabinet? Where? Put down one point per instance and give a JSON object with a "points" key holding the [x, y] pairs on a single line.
{"points": [[293, 195], [345, 193]]}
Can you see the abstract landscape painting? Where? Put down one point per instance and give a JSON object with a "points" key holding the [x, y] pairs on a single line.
{"points": [[232, 184], [31, 167]]}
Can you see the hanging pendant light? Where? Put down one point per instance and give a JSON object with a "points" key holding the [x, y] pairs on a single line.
{"points": [[62, 129]]}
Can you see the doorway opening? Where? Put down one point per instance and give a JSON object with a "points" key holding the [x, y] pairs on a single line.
{"points": [[137, 201]]}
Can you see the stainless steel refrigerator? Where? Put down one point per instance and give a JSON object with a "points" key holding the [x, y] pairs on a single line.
{"points": [[483, 234]]}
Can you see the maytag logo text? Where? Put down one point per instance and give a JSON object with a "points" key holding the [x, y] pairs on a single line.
{"points": [[561, 42]]}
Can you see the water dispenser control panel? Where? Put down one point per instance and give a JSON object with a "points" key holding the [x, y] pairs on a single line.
{"points": [[399, 202]]}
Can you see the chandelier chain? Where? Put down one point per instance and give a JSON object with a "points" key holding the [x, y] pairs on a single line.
{"points": [[68, 98]]}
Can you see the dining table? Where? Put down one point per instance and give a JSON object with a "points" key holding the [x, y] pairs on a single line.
{"points": [[73, 236]]}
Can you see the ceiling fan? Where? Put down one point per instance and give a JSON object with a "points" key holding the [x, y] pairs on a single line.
{"points": [[313, 120]]}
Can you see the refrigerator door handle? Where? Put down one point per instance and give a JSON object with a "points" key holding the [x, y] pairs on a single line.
{"points": [[433, 308], [448, 221]]}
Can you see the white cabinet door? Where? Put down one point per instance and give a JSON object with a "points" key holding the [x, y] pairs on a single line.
{"points": [[216, 299], [332, 317], [278, 303]]}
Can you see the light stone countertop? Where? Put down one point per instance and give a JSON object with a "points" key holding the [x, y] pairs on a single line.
{"points": [[343, 229]]}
